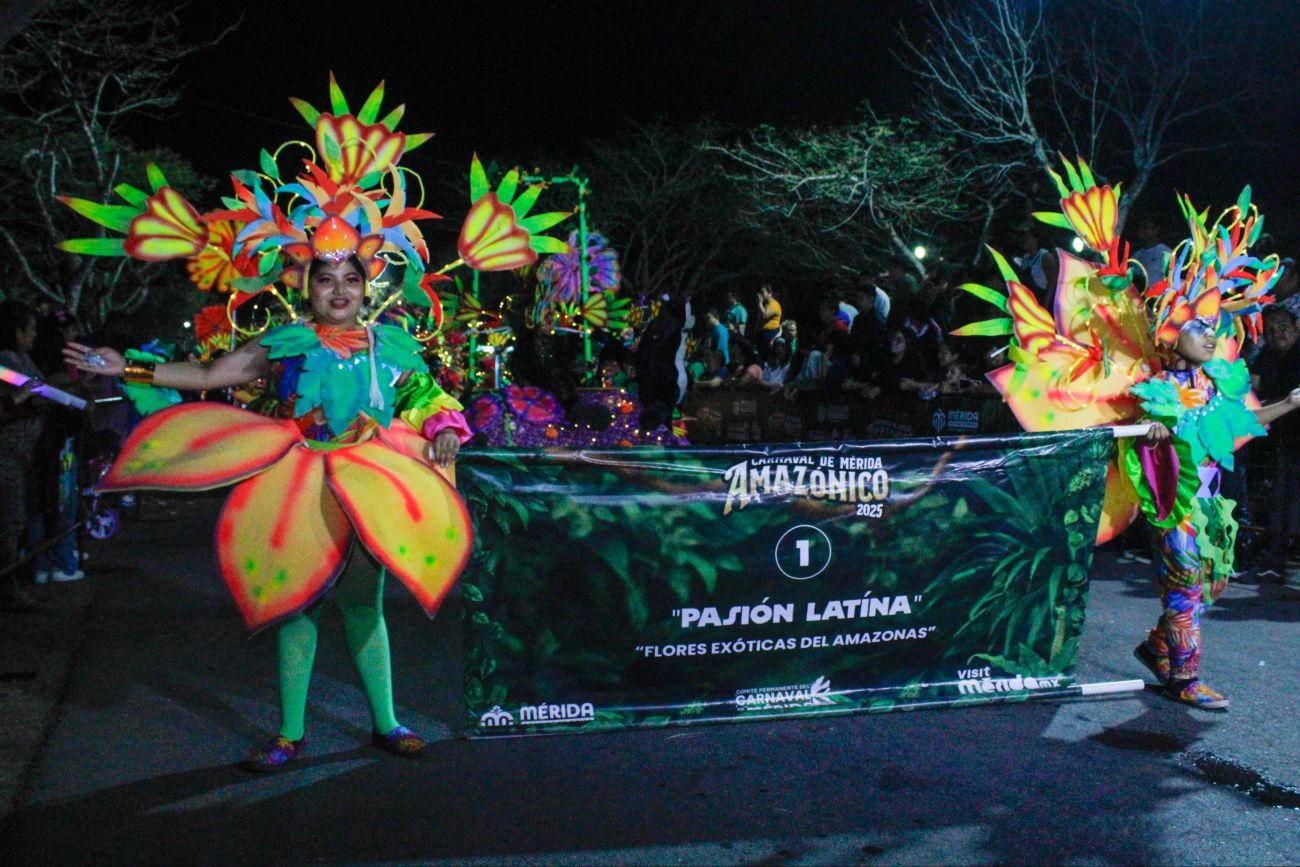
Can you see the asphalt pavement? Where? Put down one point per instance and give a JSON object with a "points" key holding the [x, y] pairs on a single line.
{"points": [[126, 702]]}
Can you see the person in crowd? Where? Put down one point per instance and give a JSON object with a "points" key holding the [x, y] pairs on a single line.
{"points": [[905, 371], [790, 336], [713, 373], [747, 371], [716, 336], [924, 337], [776, 366], [848, 311], [899, 282], [21, 423], [1152, 253], [869, 298], [737, 317], [1276, 371], [51, 528], [939, 298], [953, 376], [1036, 265], [1286, 291], [827, 367], [769, 317], [831, 316]]}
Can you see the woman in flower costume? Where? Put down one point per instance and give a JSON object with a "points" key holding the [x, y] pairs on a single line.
{"points": [[1110, 355], [360, 437]]}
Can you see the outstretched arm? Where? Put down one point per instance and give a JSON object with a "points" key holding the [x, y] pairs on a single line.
{"points": [[1274, 411], [245, 364]]}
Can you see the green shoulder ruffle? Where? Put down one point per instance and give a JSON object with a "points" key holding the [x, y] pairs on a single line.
{"points": [[420, 398], [342, 387], [290, 340], [1211, 431]]}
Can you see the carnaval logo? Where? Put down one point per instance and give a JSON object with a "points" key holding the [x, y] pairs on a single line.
{"points": [[846, 479], [815, 694]]}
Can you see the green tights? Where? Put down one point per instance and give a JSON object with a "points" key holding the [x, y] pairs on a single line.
{"points": [[360, 594]]}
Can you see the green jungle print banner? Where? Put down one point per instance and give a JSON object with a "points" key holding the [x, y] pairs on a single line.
{"points": [[618, 588]]}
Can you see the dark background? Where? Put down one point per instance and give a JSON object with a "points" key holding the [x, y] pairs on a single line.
{"points": [[522, 83]]}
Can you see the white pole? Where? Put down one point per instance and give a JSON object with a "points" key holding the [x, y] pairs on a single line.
{"points": [[1112, 686], [1130, 430]]}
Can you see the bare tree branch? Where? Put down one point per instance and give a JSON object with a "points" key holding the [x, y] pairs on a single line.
{"points": [[849, 195], [1118, 82], [69, 79]]}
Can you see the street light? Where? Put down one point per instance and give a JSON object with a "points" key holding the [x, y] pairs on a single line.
{"points": [[1077, 245], [919, 251]]}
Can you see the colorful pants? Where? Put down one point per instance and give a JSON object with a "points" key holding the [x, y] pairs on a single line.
{"points": [[1184, 579]]}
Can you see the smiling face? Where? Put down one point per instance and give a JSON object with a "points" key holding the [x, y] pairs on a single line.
{"points": [[1196, 342], [335, 292]]}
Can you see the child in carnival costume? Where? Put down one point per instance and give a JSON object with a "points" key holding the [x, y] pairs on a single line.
{"points": [[1110, 355], [359, 439]]}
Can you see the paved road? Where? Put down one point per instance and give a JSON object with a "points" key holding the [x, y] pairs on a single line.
{"points": [[166, 691]]}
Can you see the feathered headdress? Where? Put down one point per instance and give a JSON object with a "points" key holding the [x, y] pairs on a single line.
{"points": [[1212, 276], [351, 198], [1075, 366]]}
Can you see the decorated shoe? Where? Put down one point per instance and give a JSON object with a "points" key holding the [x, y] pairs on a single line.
{"points": [[1196, 694], [401, 741], [276, 753], [1156, 664]]}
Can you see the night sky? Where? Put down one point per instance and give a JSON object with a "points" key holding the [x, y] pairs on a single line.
{"points": [[515, 80], [519, 82]]}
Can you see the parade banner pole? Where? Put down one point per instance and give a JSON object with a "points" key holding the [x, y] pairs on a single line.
{"points": [[1121, 431]]}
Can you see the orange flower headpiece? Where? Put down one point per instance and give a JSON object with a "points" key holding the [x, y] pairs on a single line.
{"points": [[350, 198], [1212, 277], [334, 240]]}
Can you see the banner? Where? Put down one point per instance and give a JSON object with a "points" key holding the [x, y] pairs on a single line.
{"points": [[616, 588]]}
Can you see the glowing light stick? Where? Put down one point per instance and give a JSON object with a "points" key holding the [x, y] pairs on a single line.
{"points": [[48, 392]]}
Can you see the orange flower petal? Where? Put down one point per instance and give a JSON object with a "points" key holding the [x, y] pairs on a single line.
{"points": [[401, 437], [282, 538], [169, 228], [352, 150], [198, 446], [1031, 323], [1119, 507], [406, 514], [491, 239]]}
